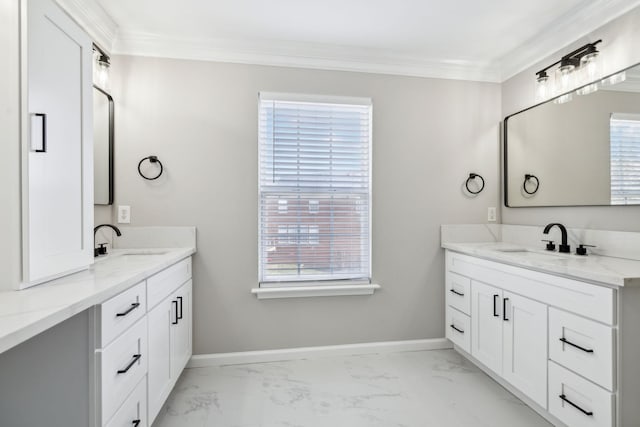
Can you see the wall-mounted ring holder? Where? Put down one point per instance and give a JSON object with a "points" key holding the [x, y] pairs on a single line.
{"points": [[530, 178], [472, 178], [152, 160]]}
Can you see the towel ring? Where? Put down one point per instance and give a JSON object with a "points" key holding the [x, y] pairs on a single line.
{"points": [[527, 178], [152, 159], [473, 176]]}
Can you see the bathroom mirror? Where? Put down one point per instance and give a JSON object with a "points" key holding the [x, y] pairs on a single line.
{"points": [[102, 147], [585, 152]]}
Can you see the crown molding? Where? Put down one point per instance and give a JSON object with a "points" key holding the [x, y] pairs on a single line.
{"points": [[95, 21], [301, 55], [565, 31]]}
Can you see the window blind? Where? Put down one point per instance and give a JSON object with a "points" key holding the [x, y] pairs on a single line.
{"points": [[314, 189], [625, 159]]}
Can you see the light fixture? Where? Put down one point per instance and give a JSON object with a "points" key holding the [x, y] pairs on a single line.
{"points": [[101, 68], [578, 68]]}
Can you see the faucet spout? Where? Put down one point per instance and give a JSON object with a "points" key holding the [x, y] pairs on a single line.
{"points": [[102, 250], [564, 247]]}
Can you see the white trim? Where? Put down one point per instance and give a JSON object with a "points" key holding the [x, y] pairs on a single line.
{"points": [[314, 291], [321, 99], [93, 19], [220, 359]]}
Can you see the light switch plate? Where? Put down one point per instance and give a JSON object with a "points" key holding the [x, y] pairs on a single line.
{"points": [[124, 214], [491, 214]]}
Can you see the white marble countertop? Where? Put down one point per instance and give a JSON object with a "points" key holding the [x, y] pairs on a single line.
{"points": [[597, 269], [26, 313]]}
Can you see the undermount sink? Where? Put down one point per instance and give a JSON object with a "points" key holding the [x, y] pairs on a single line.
{"points": [[526, 253]]}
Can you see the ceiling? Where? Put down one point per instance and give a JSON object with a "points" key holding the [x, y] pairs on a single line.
{"points": [[487, 40]]}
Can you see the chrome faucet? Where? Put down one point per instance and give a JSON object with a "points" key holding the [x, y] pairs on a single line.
{"points": [[102, 250], [564, 246]]}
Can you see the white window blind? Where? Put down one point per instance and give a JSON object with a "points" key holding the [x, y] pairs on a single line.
{"points": [[315, 159], [625, 159]]}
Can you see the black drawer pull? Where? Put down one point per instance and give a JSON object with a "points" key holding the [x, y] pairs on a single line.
{"points": [[180, 315], [128, 310], [495, 304], [175, 304], [454, 328], [504, 309], [564, 399], [135, 423], [136, 357], [586, 350], [453, 291]]}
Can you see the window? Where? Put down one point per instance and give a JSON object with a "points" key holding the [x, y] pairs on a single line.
{"points": [[625, 159], [314, 189]]}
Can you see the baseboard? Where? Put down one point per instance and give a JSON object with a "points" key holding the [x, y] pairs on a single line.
{"points": [[219, 359]]}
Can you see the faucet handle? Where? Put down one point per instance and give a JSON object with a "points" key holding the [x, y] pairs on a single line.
{"points": [[550, 245], [582, 249]]}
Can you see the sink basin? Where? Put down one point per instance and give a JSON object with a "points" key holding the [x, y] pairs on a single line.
{"points": [[528, 254]]}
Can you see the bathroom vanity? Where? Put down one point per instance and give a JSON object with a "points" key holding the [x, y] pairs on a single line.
{"points": [[558, 330], [117, 336]]}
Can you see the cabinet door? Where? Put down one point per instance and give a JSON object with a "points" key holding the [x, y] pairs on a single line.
{"points": [[58, 146], [486, 325], [525, 346], [160, 379], [181, 332]]}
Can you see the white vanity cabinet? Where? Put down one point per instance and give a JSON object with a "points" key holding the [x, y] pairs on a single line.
{"points": [[143, 342], [57, 144], [170, 326], [566, 347]]}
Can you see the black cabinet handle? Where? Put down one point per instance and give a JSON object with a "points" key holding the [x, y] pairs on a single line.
{"points": [[129, 310], [175, 304], [136, 357], [459, 330], [495, 305], [180, 315], [453, 291], [135, 423], [586, 350], [564, 399], [504, 309], [43, 141]]}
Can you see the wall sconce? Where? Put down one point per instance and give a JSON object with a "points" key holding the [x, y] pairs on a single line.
{"points": [[101, 64], [578, 68]]}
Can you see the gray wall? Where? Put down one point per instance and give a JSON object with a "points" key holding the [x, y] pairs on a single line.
{"points": [[10, 243], [621, 38], [200, 119]]}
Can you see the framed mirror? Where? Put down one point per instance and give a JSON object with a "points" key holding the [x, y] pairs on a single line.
{"points": [[102, 146], [585, 152]]}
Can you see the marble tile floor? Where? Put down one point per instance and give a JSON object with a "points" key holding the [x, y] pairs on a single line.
{"points": [[411, 389]]}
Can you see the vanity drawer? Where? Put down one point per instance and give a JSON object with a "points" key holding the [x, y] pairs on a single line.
{"points": [[120, 312], [594, 406], [458, 328], [123, 364], [133, 411], [583, 346], [160, 285], [458, 292]]}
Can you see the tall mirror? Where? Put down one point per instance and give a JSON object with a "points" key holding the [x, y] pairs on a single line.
{"points": [[584, 152], [102, 147]]}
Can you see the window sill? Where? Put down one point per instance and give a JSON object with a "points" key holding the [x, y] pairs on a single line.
{"points": [[314, 291]]}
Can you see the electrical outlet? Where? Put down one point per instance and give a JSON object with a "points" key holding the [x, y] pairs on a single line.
{"points": [[491, 214], [124, 214]]}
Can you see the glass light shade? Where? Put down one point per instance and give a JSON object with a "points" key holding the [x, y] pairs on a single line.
{"points": [[565, 80], [542, 88], [102, 74]]}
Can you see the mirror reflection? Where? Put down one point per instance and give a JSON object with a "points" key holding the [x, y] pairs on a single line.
{"points": [[583, 152], [102, 147]]}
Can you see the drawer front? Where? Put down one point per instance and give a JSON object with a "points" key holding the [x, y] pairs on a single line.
{"points": [[122, 311], [458, 328], [583, 346], [586, 404], [458, 292], [586, 299], [133, 412], [161, 285], [123, 364]]}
